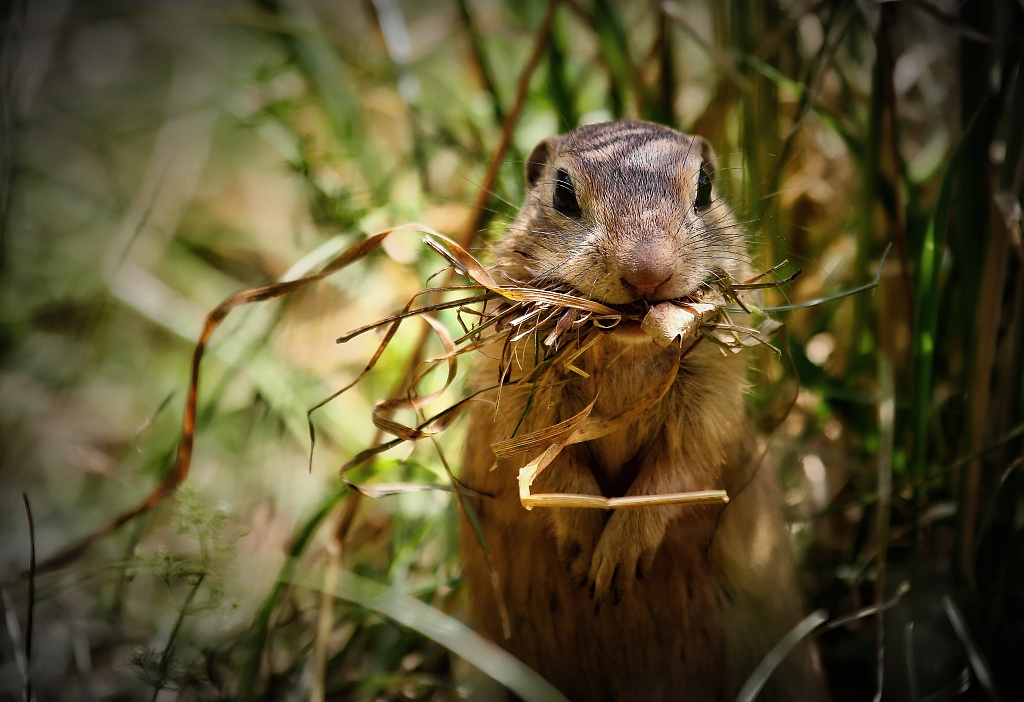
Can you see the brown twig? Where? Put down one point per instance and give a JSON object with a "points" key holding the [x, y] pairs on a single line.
{"points": [[483, 67], [483, 197]]}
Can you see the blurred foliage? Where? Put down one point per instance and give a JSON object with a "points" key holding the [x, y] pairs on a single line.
{"points": [[157, 157]]}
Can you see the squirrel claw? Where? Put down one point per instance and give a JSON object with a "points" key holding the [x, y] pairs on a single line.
{"points": [[622, 556]]}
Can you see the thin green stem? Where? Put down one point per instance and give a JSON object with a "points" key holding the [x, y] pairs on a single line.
{"points": [[165, 657]]}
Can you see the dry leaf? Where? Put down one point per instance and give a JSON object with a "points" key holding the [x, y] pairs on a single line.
{"points": [[671, 320]]}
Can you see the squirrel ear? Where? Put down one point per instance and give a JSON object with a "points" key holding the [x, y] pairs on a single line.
{"points": [[538, 160], [707, 156]]}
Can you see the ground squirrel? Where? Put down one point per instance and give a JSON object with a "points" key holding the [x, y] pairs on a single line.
{"points": [[635, 604]]}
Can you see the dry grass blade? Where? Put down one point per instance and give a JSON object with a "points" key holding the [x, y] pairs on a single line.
{"points": [[390, 426], [385, 407], [465, 263], [408, 312], [564, 322], [586, 346], [753, 279], [432, 426], [554, 298], [392, 330], [541, 437], [702, 497], [751, 337], [378, 490], [582, 427], [596, 427], [754, 285], [534, 468]]}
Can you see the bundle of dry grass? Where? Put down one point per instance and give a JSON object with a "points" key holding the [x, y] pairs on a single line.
{"points": [[566, 329]]}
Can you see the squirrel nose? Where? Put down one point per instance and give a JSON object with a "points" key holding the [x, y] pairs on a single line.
{"points": [[643, 282], [646, 265]]}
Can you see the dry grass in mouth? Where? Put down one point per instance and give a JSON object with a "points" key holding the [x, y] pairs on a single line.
{"points": [[568, 331]]}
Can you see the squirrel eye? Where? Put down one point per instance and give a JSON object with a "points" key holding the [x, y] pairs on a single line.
{"points": [[564, 198], [703, 190]]}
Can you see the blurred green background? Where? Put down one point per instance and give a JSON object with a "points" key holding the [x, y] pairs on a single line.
{"points": [[158, 156]]}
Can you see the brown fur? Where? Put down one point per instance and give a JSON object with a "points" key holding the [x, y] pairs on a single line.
{"points": [[655, 603]]}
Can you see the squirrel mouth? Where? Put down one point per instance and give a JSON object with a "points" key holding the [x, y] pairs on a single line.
{"points": [[634, 322], [637, 310]]}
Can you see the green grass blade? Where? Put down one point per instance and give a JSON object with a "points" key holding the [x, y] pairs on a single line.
{"points": [[769, 663], [1015, 137], [612, 36], [852, 142], [438, 626], [926, 318], [822, 300], [559, 87], [246, 686], [476, 42]]}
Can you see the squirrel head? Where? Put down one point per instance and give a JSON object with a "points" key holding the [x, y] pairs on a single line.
{"points": [[620, 212]]}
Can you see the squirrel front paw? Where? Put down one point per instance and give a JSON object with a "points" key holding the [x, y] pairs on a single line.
{"points": [[625, 553], [577, 532]]}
